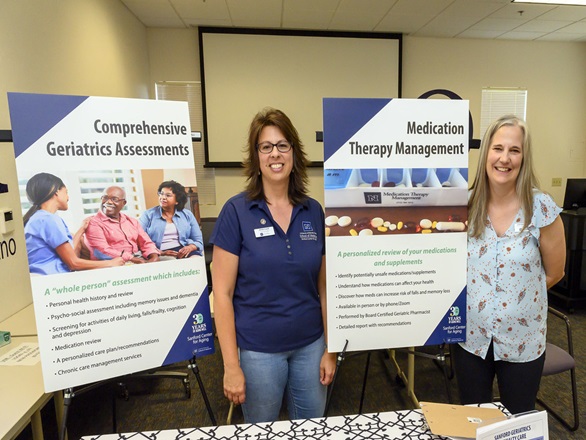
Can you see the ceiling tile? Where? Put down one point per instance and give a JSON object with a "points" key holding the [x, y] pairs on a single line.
{"points": [[529, 11], [544, 26], [476, 9], [255, 12], [494, 24], [408, 16], [559, 36], [195, 22], [429, 8], [431, 18], [475, 33], [444, 26], [308, 14], [201, 10], [363, 15], [565, 13], [574, 28], [516, 35], [156, 13]]}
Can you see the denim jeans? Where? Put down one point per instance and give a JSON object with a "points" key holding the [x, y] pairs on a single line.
{"points": [[269, 375]]}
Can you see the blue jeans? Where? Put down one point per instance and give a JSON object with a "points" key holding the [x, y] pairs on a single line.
{"points": [[269, 375]]}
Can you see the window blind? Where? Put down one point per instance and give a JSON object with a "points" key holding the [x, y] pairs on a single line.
{"points": [[497, 102], [190, 92]]}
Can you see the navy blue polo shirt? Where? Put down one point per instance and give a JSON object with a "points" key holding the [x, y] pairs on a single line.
{"points": [[276, 302]]}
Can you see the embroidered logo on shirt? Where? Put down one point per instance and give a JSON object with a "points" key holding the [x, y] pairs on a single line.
{"points": [[308, 236], [308, 232]]}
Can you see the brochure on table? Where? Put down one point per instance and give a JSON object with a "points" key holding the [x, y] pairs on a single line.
{"points": [[528, 426], [395, 176], [103, 323]]}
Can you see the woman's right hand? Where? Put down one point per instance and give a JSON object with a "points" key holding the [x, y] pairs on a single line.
{"points": [[234, 385], [118, 261]]}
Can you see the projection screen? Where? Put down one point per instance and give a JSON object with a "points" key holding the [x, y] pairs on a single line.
{"points": [[244, 70]]}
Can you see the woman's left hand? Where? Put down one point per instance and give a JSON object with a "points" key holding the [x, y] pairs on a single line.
{"points": [[327, 368], [186, 250]]}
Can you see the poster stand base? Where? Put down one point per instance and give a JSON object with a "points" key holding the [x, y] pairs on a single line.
{"points": [[193, 367], [409, 380], [70, 393]]}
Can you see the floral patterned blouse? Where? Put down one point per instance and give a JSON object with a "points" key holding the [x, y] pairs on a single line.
{"points": [[507, 294]]}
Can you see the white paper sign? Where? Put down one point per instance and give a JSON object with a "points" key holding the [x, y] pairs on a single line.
{"points": [[531, 426]]}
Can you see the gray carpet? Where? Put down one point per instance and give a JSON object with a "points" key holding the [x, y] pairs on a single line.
{"points": [[162, 404]]}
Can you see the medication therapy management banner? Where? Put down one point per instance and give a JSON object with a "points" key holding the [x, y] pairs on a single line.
{"points": [[395, 178], [103, 323]]}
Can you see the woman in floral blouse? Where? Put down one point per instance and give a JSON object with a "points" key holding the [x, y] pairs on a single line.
{"points": [[516, 251]]}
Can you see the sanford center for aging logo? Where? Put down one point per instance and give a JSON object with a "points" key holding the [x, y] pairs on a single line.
{"points": [[198, 325], [454, 317], [307, 231]]}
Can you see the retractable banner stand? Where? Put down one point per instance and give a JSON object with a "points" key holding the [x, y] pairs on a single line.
{"points": [[395, 179], [108, 322]]}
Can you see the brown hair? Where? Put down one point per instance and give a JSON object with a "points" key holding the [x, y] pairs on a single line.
{"points": [[298, 179]]}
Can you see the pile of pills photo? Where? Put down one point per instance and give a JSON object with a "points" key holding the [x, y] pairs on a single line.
{"points": [[366, 226]]}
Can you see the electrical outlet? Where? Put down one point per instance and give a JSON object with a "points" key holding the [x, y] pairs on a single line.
{"points": [[556, 181]]}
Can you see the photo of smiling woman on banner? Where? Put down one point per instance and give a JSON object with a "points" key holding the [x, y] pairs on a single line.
{"points": [[171, 226]]}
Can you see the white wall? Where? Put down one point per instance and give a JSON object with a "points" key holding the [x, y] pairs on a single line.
{"points": [[14, 277], [553, 73], [89, 47]]}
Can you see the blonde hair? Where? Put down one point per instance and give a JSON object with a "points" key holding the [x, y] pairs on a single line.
{"points": [[526, 180]]}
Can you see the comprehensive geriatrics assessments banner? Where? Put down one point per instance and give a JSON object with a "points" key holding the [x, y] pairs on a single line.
{"points": [[103, 323], [395, 177]]}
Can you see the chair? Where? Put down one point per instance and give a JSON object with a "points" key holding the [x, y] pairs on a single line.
{"points": [[558, 360], [156, 373]]}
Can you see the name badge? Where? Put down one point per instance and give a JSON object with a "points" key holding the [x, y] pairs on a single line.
{"points": [[264, 232], [518, 227]]}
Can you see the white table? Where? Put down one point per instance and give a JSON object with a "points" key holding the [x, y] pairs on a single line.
{"points": [[22, 394]]}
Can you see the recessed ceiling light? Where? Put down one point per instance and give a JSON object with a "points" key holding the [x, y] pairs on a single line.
{"points": [[556, 2]]}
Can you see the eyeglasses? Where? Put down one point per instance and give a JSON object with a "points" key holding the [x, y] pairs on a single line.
{"points": [[165, 195], [105, 198], [267, 147]]}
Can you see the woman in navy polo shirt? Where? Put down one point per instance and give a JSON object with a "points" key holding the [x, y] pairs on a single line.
{"points": [[269, 281]]}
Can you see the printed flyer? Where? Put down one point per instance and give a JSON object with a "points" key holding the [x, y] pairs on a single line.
{"points": [[525, 426], [97, 174], [396, 183]]}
